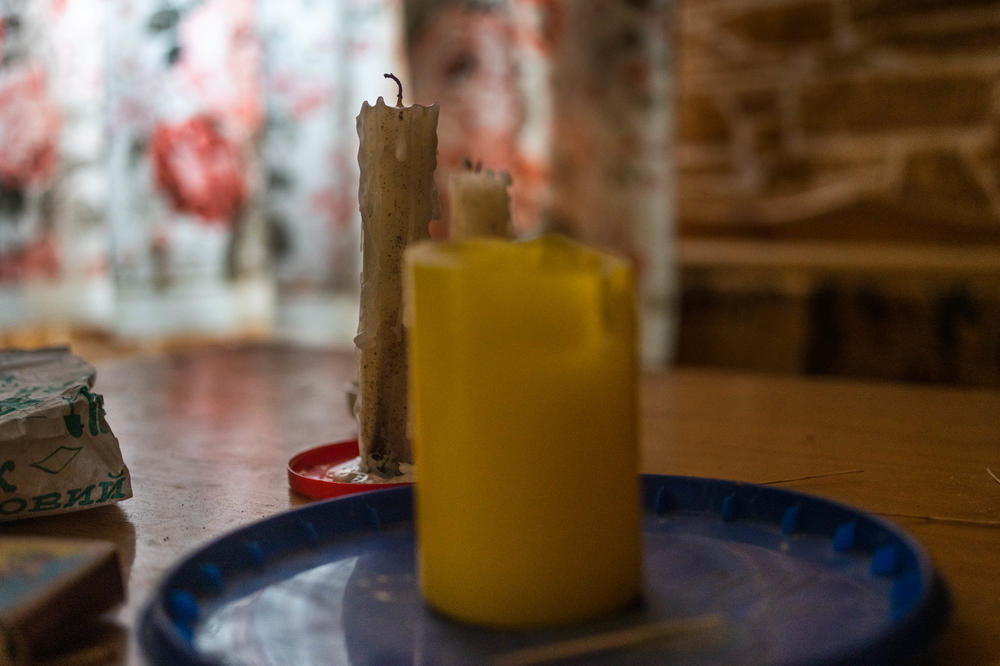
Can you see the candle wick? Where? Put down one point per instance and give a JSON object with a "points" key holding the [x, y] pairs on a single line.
{"points": [[399, 95]]}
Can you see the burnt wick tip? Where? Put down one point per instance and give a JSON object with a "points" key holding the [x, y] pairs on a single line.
{"points": [[399, 94]]}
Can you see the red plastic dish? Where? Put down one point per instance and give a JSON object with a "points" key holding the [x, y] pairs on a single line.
{"points": [[307, 472]]}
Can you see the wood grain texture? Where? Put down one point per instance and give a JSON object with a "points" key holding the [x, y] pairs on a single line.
{"points": [[207, 435], [889, 311]]}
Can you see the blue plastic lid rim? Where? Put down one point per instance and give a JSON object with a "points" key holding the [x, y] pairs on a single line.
{"points": [[920, 600]]}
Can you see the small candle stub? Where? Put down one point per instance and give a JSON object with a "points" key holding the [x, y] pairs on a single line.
{"points": [[480, 203], [350, 471]]}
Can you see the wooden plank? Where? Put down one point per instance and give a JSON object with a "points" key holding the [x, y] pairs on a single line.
{"points": [[840, 257]]}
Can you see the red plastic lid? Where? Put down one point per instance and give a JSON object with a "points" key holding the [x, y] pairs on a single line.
{"points": [[307, 472]]}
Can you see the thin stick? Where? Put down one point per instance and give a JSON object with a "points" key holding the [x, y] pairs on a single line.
{"points": [[995, 477], [399, 95], [943, 519], [812, 476], [578, 647]]}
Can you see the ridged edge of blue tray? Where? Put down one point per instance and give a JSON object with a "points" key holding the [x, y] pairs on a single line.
{"points": [[919, 597]]}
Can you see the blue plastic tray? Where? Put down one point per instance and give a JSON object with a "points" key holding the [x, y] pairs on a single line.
{"points": [[767, 574]]}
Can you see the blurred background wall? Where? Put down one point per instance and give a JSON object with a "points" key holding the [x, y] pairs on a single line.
{"points": [[812, 185], [838, 173]]}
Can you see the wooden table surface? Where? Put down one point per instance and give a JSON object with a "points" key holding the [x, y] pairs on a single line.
{"points": [[207, 435]]}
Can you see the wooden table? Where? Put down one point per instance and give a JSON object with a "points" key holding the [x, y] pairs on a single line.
{"points": [[207, 436]]}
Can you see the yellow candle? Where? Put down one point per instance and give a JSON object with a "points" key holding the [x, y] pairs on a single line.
{"points": [[523, 399], [480, 205], [397, 156]]}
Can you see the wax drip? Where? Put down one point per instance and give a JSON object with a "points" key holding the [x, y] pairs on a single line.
{"points": [[401, 147]]}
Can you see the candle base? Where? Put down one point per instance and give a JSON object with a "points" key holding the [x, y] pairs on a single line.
{"points": [[350, 471], [603, 611], [503, 590], [333, 470]]}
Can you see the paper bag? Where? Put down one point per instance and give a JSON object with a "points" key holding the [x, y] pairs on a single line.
{"points": [[57, 453]]}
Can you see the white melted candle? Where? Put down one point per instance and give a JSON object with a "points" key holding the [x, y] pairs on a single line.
{"points": [[350, 472]]}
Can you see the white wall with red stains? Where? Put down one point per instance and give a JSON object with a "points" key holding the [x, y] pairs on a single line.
{"points": [[189, 167]]}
